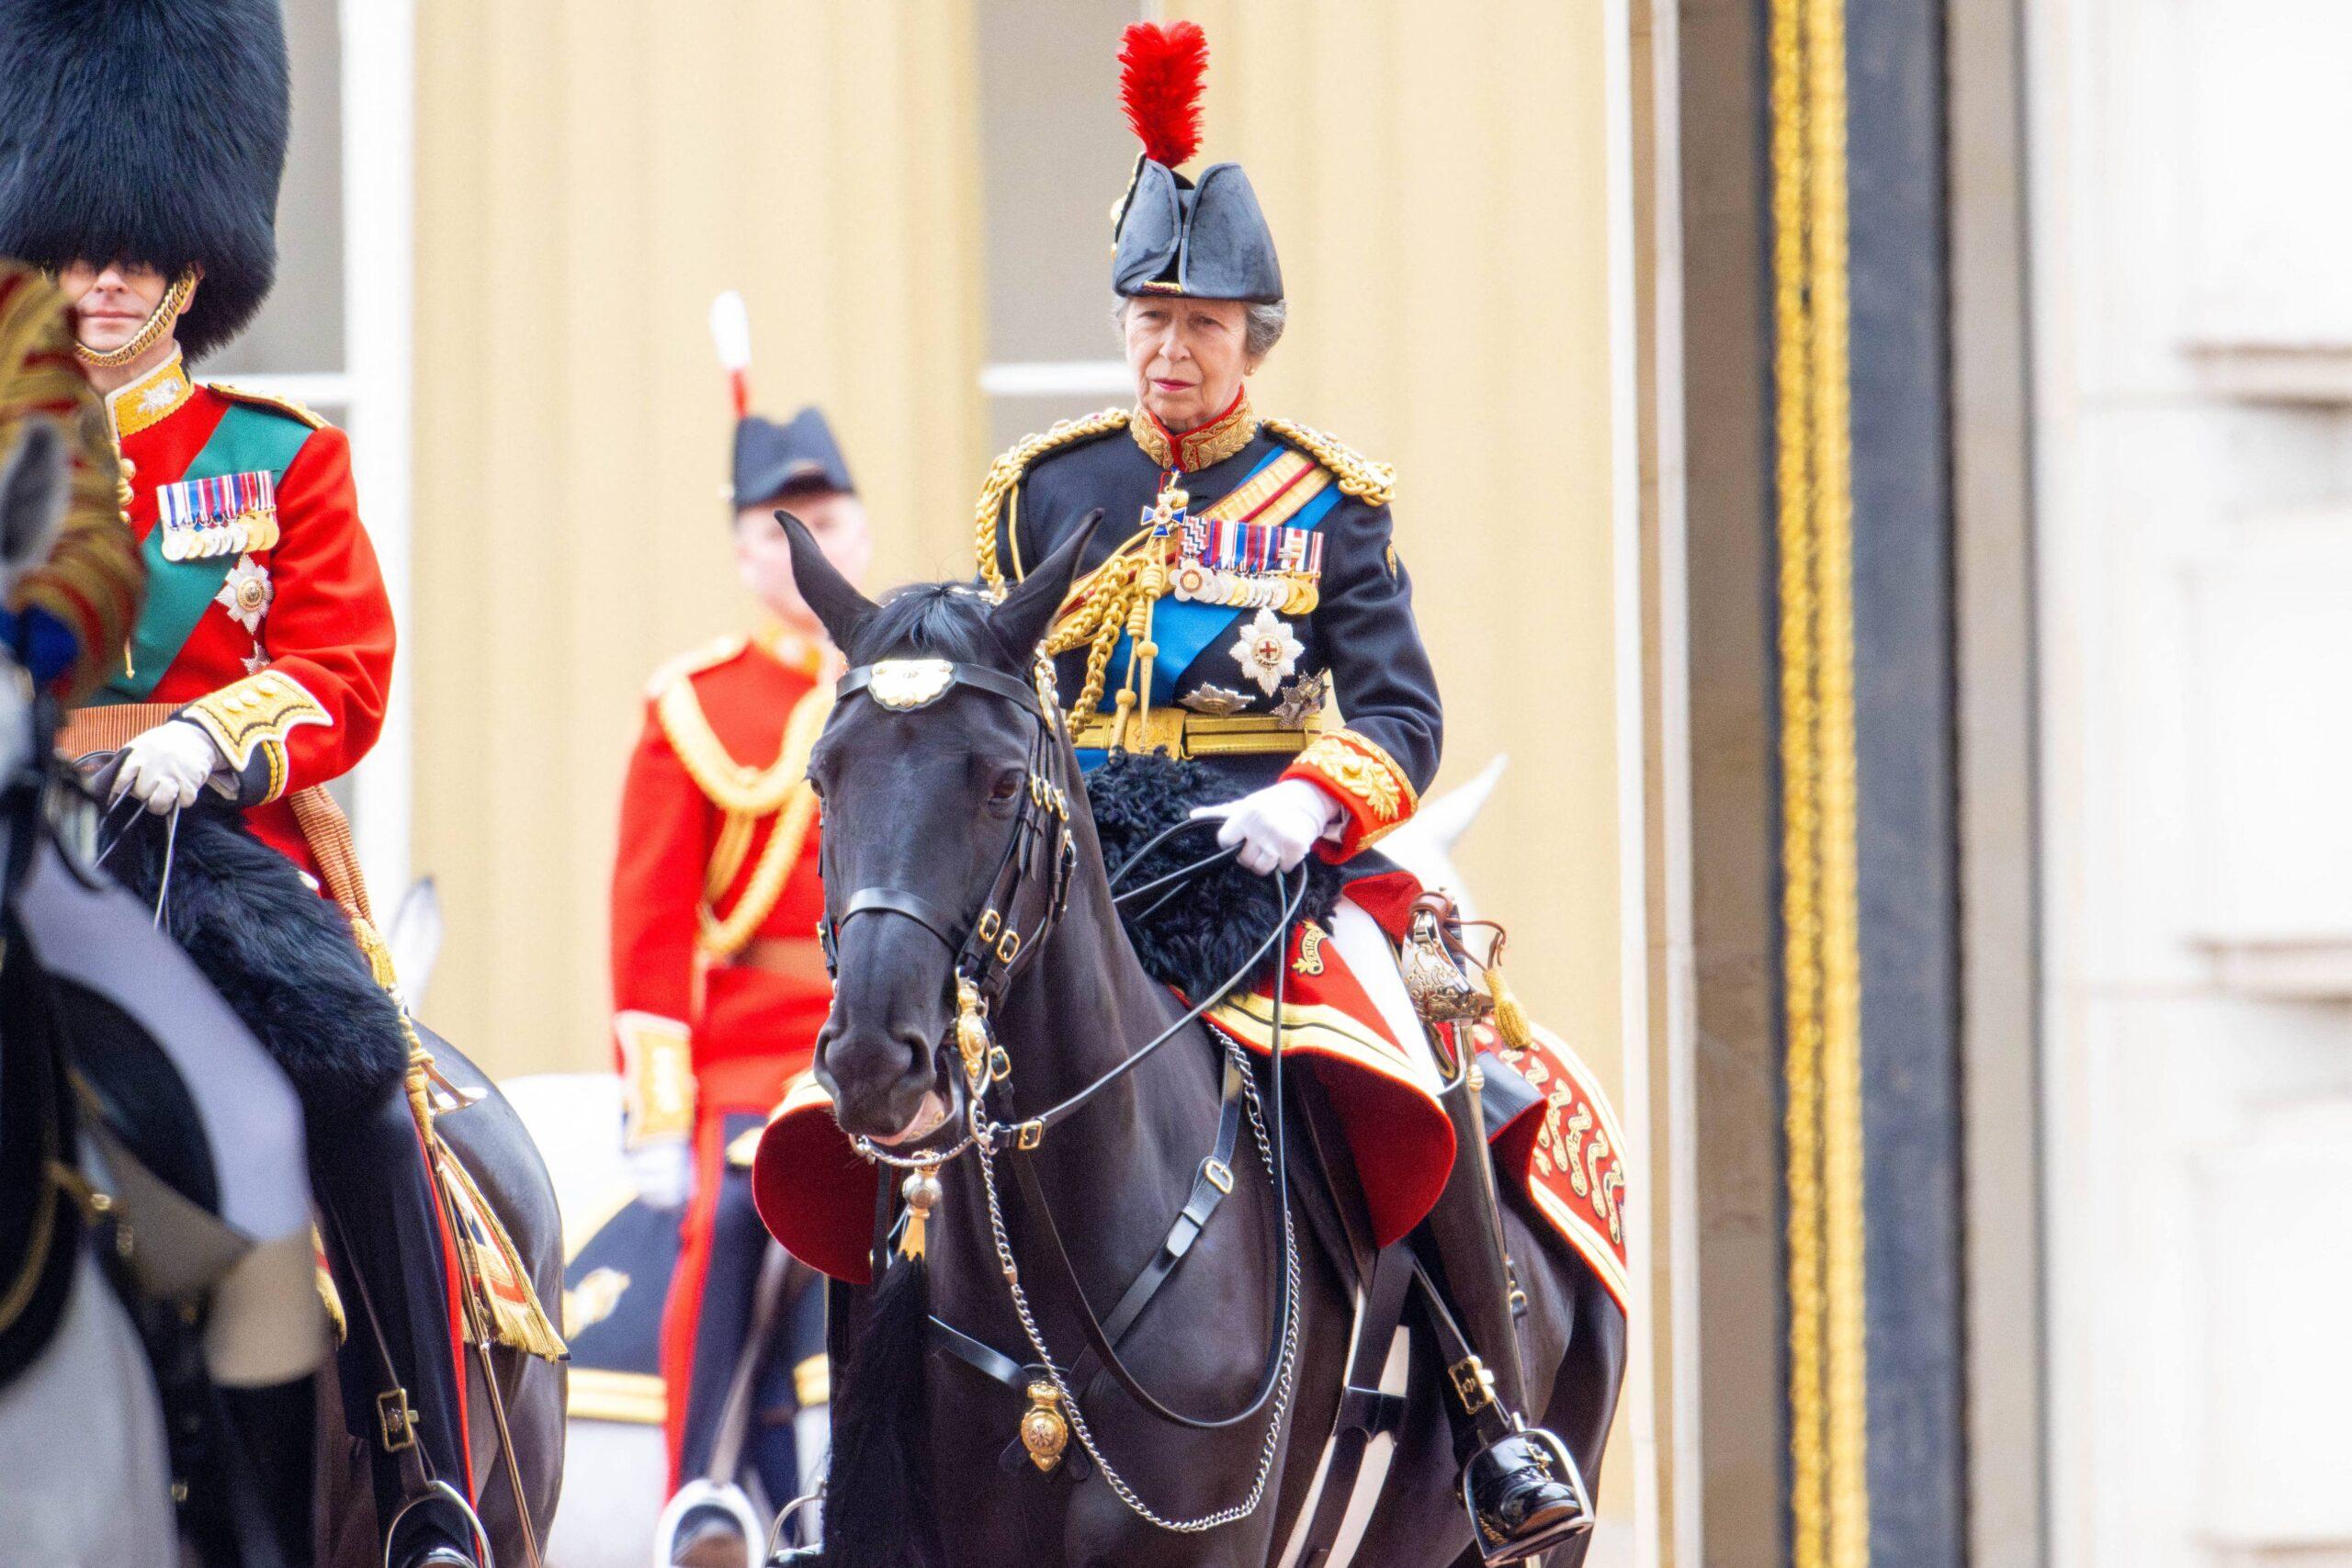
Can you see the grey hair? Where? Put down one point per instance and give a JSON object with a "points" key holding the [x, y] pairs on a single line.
{"points": [[1262, 323]]}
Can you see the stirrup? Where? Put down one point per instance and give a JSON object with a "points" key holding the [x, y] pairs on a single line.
{"points": [[781, 1556], [703, 1493], [1562, 1468], [440, 1490]]}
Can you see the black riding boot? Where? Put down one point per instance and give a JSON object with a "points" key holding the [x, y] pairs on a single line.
{"points": [[369, 1171], [1521, 1485]]}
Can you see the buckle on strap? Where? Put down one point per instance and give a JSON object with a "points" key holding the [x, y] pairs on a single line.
{"points": [[396, 1420], [1217, 1174], [1473, 1384]]}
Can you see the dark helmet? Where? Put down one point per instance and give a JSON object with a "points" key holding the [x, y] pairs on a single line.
{"points": [[150, 132], [1205, 238], [774, 461]]}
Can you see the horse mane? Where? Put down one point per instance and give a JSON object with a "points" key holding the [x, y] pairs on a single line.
{"points": [[940, 620]]}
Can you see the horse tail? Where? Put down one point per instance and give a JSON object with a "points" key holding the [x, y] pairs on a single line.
{"points": [[878, 1481]]}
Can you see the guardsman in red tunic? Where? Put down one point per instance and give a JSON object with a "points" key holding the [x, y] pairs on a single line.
{"points": [[146, 142], [720, 986]]}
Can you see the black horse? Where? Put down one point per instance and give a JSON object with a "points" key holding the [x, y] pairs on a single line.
{"points": [[932, 821], [284, 961]]}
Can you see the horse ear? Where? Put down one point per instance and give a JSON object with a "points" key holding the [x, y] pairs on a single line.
{"points": [[839, 607], [1027, 612]]}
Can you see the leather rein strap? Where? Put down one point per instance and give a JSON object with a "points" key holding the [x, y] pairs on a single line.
{"points": [[986, 944]]}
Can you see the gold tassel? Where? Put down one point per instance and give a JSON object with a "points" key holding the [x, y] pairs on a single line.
{"points": [[1510, 1019], [921, 1192], [378, 952]]}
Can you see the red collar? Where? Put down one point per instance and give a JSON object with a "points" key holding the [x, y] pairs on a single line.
{"points": [[1204, 446]]}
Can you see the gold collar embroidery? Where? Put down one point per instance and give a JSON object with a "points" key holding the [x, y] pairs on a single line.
{"points": [[1202, 447], [150, 400]]}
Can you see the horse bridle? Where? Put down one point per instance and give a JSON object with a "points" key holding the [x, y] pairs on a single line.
{"points": [[989, 945]]}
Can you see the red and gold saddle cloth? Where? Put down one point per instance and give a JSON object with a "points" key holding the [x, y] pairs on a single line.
{"points": [[818, 1197]]}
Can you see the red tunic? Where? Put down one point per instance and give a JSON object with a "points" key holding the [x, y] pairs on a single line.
{"points": [[290, 679], [716, 894]]}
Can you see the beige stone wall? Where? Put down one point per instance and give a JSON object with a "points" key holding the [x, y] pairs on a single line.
{"points": [[588, 176], [1436, 182]]}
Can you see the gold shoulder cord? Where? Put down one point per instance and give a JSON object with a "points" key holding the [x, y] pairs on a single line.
{"points": [[722, 939], [1359, 476], [1005, 475], [1829, 1497]]}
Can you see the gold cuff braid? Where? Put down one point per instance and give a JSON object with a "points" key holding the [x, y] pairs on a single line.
{"points": [[257, 714], [657, 1077]]}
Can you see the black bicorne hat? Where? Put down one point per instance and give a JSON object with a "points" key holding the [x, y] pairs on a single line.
{"points": [[1206, 238], [152, 132], [773, 461]]}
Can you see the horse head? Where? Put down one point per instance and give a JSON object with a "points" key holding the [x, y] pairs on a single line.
{"points": [[946, 781]]}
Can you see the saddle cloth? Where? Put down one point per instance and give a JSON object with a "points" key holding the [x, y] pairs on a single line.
{"points": [[1560, 1143]]}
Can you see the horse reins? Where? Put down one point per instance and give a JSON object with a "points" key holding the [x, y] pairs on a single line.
{"points": [[989, 948]]}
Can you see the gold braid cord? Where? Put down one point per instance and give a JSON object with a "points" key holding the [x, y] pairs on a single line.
{"points": [[1829, 1502], [722, 938], [1373, 483], [1004, 480], [93, 578]]}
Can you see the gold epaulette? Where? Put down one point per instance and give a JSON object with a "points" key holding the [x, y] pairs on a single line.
{"points": [[286, 406], [710, 656], [1372, 483], [1006, 473]]}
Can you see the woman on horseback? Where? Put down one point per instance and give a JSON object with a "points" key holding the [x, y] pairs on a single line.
{"points": [[259, 666], [1244, 591]]}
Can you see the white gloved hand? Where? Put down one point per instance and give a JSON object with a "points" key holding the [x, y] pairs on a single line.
{"points": [[166, 766], [1276, 825], [662, 1170]]}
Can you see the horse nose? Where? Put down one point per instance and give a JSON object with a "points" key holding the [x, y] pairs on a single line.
{"points": [[877, 1076]]}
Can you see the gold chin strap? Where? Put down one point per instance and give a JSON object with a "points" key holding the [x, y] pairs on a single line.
{"points": [[159, 322]]}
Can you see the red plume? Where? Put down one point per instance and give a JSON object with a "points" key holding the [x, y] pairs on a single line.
{"points": [[1160, 67]]}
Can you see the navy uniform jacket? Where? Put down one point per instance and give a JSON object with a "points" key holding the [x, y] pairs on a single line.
{"points": [[1317, 672]]}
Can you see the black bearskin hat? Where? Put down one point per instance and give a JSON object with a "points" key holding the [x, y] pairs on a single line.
{"points": [[147, 131]]}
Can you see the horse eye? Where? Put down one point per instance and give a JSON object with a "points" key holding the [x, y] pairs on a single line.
{"points": [[1007, 785]]}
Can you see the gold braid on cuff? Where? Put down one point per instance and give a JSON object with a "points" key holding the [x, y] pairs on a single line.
{"points": [[1366, 774], [257, 714], [657, 1077]]}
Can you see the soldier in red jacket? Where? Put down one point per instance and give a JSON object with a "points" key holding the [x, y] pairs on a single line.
{"points": [[146, 144], [718, 984]]}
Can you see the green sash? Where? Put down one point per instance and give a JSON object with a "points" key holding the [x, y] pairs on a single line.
{"points": [[246, 440]]}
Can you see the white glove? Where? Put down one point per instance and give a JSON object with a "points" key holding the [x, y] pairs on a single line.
{"points": [[1276, 825], [166, 766], [662, 1170]]}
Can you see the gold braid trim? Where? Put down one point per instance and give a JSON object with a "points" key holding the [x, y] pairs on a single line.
{"points": [[1829, 1501], [1004, 478], [286, 406], [657, 1077], [1359, 476], [1364, 772], [732, 785], [723, 938], [257, 714]]}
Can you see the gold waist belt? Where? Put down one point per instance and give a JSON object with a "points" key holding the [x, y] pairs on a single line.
{"points": [[1180, 733]]}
